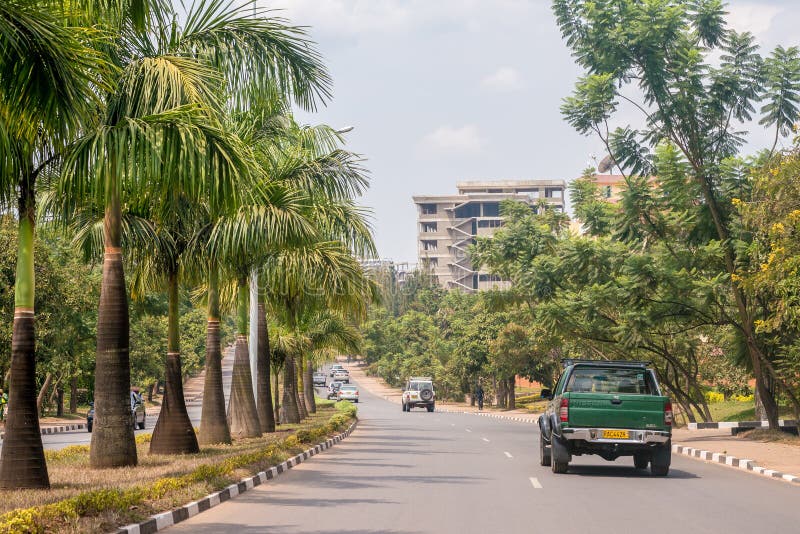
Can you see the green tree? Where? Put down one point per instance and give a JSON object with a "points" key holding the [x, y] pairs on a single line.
{"points": [[48, 76], [697, 106]]}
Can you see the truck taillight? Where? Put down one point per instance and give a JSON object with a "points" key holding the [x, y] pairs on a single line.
{"points": [[668, 413], [563, 413]]}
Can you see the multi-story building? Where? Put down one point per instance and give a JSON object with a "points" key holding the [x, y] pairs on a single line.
{"points": [[447, 225], [611, 186]]}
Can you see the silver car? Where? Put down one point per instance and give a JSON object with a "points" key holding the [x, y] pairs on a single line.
{"points": [[342, 375], [348, 392]]}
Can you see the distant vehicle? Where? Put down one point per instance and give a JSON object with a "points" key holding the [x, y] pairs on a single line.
{"points": [[418, 391], [320, 379], [342, 375], [348, 392], [333, 389], [335, 367], [138, 412], [611, 409]]}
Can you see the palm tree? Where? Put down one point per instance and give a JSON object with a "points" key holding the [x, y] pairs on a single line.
{"points": [[311, 277], [322, 332], [213, 421], [48, 74], [270, 219], [158, 123]]}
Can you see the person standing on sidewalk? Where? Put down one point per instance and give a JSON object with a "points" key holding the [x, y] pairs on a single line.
{"points": [[479, 396], [3, 404]]}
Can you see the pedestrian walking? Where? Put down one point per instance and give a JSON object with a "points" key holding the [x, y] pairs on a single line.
{"points": [[479, 396]]}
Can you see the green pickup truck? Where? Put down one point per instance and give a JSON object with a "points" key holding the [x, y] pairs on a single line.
{"points": [[611, 409]]}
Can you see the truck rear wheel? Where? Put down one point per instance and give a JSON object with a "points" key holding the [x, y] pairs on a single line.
{"points": [[544, 452], [559, 455], [640, 460], [659, 463]]}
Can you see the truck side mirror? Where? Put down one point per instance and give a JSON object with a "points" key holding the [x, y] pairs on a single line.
{"points": [[547, 394]]}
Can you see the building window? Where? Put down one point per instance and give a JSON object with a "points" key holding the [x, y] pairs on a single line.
{"points": [[490, 278], [490, 223], [429, 245], [428, 228], [428, 209], [468, 210], [491, 209], [431, 262], [495, 191], [552, 192]]}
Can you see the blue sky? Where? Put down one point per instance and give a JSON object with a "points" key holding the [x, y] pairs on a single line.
{"points": [[441, 91]]}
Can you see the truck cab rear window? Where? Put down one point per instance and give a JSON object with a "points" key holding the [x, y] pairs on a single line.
{"points": [[623, 381]]}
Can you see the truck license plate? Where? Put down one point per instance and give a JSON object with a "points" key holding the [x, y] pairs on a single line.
{"points": [[615, 434]]}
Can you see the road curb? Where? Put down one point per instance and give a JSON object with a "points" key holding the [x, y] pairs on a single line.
{"points": [[55, 429], [733, 461], [167, 519], [743, 425], [488, 414]]}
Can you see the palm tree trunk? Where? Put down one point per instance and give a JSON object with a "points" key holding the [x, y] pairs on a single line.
{"points": [[22, 463], [308, 385], [113, 443], [298, 386], [242, 413], [291, 410], [173, 433], [276, 408], [213, 421], [266, 416]]}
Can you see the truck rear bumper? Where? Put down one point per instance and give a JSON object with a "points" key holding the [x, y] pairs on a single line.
{"points": [[595, 435]]}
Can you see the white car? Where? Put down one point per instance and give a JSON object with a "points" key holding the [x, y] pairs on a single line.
{"points": [[348, 392], [418, 391], [336, 367], [342, 375]]}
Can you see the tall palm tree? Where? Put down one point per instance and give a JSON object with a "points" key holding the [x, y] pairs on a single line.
{"points": [[311, 277], [158, 123], [271, 219], [48, 76]]}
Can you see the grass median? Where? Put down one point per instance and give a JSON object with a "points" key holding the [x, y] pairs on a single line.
{"points": [[82, 499]]}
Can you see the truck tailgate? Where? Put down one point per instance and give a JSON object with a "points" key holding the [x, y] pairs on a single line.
{"points": [[605, 410]]}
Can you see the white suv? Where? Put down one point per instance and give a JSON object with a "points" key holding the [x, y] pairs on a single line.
{"points": [[418, 391]]}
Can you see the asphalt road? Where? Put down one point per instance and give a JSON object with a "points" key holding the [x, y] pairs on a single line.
{"points": [[82, 437], [422, 472]]}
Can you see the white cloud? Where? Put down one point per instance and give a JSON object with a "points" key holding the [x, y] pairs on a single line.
{"points": [[752, 17], [503, 79], [447, 138]]}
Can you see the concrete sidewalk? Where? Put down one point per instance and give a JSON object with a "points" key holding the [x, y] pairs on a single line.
{"points": [[776, 456]]}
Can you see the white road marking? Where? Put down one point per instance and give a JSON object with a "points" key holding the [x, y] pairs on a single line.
{"points": [[507, 454], [452, 424], [468, 430], [486, 440], [535, 482]]}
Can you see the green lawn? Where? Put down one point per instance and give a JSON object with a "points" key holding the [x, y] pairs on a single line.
{"points": [[735, 411]]}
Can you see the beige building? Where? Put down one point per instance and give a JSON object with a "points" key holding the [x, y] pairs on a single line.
{"points": [[447, 225]]}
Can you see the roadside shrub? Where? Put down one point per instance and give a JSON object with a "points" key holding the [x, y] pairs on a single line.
{"points": [[743, 398], [73, 452], [713, 397], [143, 438]]}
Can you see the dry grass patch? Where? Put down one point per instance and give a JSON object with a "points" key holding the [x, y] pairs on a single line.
{"points": [[765, 435], [82, 499]]}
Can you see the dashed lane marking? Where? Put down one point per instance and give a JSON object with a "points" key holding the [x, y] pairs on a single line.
{"points": [[535, 482], [507, 454], [468, 430], [486, 440]]}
